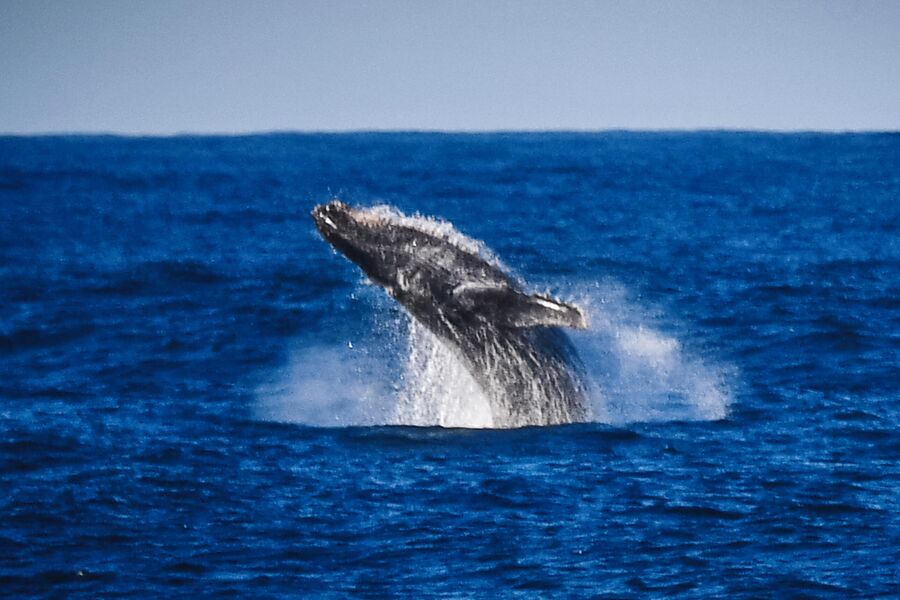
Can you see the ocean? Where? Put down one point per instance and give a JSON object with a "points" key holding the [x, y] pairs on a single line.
{"points": [[199, 397]]}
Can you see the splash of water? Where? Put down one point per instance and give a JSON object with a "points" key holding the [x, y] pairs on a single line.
{"points": [[438, 389], [636, 372], [642, 373], [328, 386]]}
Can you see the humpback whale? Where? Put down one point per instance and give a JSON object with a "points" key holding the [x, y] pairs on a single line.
{"points": [[510, 341]]}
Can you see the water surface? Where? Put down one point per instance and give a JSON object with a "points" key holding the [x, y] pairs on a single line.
{"points": [[197, 396]]}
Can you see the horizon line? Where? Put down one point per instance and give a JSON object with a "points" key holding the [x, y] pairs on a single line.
{"points": [[441, 131]]}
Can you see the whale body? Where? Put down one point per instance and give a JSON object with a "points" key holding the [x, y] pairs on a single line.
{"points": [[508, 340]]}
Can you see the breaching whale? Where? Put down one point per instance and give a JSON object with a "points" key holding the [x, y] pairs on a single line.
{"points": [[510, 341]]}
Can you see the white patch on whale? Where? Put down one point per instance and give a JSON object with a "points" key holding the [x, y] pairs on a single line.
{"points": [[550, 305]]}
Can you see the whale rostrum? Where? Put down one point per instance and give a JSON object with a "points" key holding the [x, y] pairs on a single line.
{"points": [[509, 341]]}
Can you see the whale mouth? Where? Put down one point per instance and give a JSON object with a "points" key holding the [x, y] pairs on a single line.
{"points": [[336, 217], [326, 215]]}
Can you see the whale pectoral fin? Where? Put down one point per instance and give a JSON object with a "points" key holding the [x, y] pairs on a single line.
{"points": [[507, 307], [538, 310]]}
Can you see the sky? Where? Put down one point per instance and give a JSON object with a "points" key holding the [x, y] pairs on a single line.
{"points": [[166, 67]]}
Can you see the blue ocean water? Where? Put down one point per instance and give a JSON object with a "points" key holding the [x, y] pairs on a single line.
{"points": [[197, 396]]}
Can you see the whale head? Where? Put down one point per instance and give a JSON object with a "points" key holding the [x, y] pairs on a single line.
{"points": [[358, 235], [434, 271]]}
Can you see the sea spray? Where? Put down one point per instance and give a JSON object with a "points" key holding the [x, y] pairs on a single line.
{"points": [[396, 372], [437, 388], [640, 372]]}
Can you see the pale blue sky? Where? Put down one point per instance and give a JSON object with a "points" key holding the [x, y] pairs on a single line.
{"points": [[215, 66]]}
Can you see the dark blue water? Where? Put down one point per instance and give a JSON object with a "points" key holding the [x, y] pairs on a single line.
{"points": [[745, 293]]}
